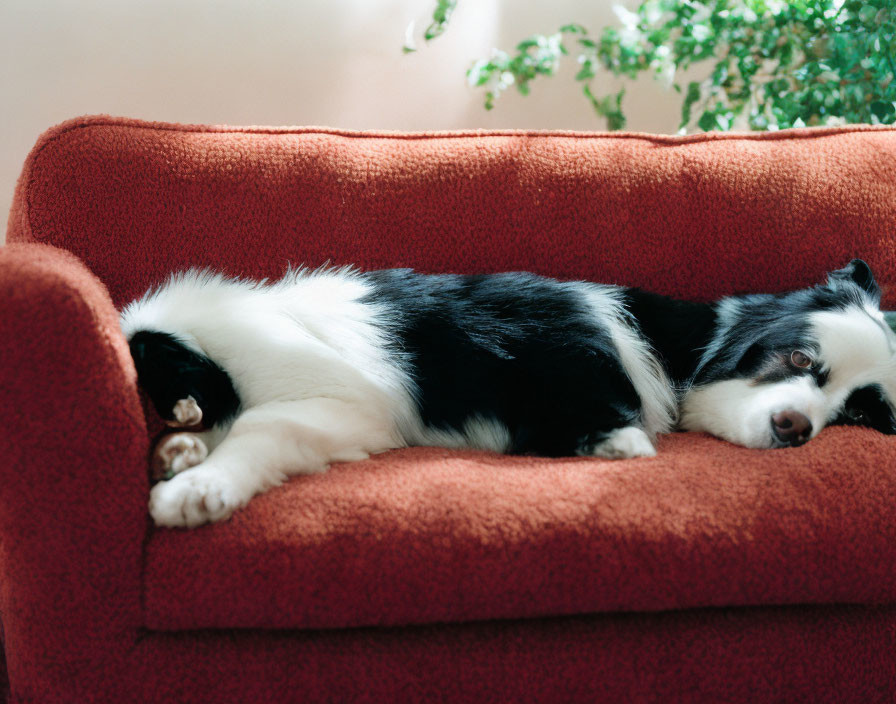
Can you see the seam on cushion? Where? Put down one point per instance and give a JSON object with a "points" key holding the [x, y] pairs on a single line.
{"points": [[132, 123], [88, 121], [47, 138]]}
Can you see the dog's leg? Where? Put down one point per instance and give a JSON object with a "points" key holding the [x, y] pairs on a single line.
{"points": [[265, 445], [621, 443]]}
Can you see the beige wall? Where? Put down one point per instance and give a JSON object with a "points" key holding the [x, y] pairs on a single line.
{"points": [[283, 62]]}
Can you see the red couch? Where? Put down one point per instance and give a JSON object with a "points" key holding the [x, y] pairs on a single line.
{"points": [[709, 573]]}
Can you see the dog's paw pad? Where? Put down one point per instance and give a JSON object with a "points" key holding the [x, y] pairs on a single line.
{"points": [[623, 444], [193, 498], [186, 412], [175, 453]]}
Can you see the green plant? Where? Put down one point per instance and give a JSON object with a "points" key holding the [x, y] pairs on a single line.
{"points": [[772, 64], [440, 16]]}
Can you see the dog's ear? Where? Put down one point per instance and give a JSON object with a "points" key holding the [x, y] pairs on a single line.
{"points": [[859, 273]]}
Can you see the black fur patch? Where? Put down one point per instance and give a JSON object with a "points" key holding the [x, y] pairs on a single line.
{"points": [[169, 371], [677, 330], [517, 348], [867, 406], [770, 325]]}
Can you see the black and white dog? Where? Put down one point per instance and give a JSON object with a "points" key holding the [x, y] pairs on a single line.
{"points": [[269, 380]]}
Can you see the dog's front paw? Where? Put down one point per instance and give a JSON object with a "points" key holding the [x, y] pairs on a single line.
{"points": [[175, 453], [622, 443], [186, 412], [197, 496]]}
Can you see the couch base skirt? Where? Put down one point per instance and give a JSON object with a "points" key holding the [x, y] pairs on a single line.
{"points": [[795, 653]]}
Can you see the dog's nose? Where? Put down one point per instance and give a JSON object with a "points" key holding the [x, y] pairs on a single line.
{"points": [[791, 427]]}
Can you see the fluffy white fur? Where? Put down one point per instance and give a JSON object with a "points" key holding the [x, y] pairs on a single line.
{"points": [[317, 383], [740, 411], [308, 365], [659, 406], [307, 360], [625, 442]]}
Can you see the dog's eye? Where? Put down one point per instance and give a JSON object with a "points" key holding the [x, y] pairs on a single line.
{"points": [[856, 415], [800, 359]]}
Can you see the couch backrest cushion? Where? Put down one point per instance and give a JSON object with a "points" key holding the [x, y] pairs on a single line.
{"points": [[695, 217]]}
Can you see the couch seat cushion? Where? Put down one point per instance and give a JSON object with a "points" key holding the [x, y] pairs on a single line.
{"points": [[427, 535]]}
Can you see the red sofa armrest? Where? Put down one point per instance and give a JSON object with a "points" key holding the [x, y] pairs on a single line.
{"points": [[73, 476]]}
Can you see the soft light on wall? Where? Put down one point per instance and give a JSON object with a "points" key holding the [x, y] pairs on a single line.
{"points": [[298, 62]]}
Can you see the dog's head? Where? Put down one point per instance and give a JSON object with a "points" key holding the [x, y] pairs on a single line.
{"points": [[781, 367]]}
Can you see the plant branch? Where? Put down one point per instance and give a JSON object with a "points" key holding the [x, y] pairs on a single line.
{"points": [[777, 64]]}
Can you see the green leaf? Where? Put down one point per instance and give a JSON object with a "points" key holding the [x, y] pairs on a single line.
{"points": [[773, 63], [608, 107], [707, 121], [780, 85], [440, 16], [867, 14], [691, 97], [882, 110], [586, 72]]}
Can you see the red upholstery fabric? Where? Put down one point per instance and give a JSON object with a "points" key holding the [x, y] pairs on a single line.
{"points": [[788, 654], [696, 217], [73, 452], [428, 536]]}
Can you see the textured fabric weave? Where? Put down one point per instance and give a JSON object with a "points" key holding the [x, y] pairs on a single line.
{"points": [[711, 573], [695, 217], [427, 535]]}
